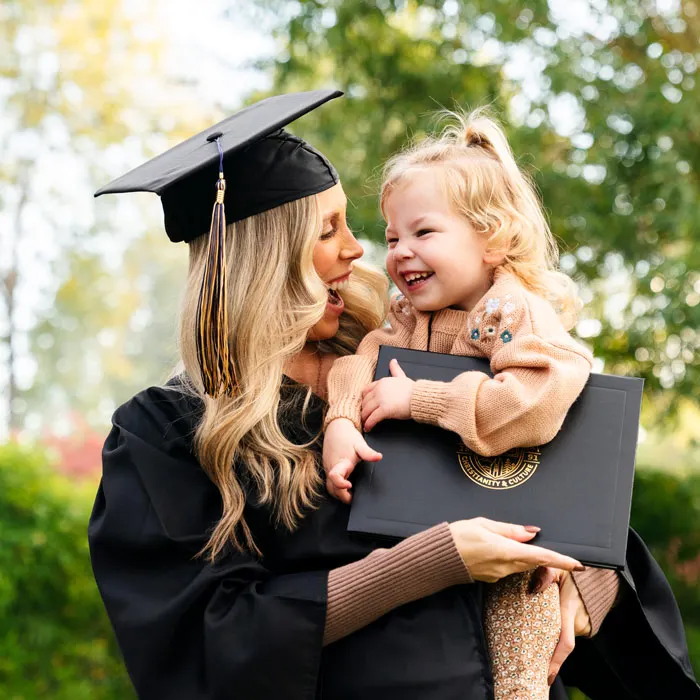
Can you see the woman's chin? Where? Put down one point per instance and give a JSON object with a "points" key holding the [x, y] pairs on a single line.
{"points": [[325, 329]]}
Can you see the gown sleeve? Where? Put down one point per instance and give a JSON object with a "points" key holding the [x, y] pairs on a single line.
{"points": [[189, 629], [640, 651]]}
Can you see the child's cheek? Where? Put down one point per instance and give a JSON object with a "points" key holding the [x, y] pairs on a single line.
{"points": [[390, 265]]}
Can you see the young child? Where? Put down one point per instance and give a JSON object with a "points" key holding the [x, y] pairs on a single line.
{"points": [[475, 262]]}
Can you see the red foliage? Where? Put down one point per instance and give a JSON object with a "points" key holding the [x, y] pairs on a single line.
{"points": [[78, 455], [687, 570]]}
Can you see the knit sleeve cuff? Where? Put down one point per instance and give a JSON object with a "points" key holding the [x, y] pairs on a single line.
{"points": [[347, 408], [599, 589], [429, 401], [363, 591]]}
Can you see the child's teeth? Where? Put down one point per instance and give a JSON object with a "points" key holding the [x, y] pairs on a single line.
{"points": [[417, 275]]}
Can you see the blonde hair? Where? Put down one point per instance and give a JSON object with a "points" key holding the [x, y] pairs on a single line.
{"points": [[485, 185], [275, 298]]}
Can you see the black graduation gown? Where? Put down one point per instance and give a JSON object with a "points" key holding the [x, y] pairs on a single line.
{"points": [[249, 628]]}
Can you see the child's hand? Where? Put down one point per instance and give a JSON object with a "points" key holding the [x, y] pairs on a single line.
{"points": [[387, 398], [343, 448]]}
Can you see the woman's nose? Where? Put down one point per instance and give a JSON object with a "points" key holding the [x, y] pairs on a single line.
{"points": [[351, 248]]}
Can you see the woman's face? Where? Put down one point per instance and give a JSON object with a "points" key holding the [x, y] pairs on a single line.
{"points": [[334, 253]]}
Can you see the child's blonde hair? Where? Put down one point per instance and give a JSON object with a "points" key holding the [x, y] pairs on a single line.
{"points": [[484, 184]]}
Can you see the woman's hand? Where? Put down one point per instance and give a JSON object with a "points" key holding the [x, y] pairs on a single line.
{"points": [[492, 550], [574, 616], [387, 398]]}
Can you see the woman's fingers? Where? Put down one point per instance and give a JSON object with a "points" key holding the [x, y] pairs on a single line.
{"points": [[539, 556], [566, 642], [519, 533]]}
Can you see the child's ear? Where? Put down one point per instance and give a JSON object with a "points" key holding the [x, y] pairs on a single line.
{"points": [[495, 256], [496, 248]]}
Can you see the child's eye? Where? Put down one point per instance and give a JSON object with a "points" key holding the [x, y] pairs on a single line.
{"points": [[424, 231], [391, 242]]}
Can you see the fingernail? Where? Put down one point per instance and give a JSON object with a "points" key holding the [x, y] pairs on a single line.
{"points": [[532, 528], [580, 567], [550, 680]]}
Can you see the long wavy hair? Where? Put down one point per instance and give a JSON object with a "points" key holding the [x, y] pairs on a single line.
{"points": [[485, 185], [275, 298]]}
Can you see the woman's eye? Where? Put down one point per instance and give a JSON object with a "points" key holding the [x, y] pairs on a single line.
{"points": [[329, 234]]}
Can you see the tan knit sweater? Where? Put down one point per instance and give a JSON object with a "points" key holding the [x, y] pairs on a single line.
{"points": [[539, 369]]}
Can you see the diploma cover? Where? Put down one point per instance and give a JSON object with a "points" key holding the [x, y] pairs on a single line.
{"points": [[576, 488]]}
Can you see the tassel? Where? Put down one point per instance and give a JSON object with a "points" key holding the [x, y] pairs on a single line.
{"points": [[213, 333]]}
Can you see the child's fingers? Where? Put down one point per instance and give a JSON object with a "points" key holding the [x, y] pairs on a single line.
{"points": [[338, 480], [395, 369], [369, 405], [377, 416], [343, 495], [364, 451], [342, 467], [369, 388]]}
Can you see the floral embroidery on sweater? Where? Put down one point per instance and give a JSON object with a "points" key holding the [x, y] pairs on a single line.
{"points": [[506, 336], [492, 304]]}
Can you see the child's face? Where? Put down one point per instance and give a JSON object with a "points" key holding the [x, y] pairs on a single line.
{"points": [[424, 235]]}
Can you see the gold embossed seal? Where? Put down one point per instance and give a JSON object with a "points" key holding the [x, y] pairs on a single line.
{"points": [[505, 471]]}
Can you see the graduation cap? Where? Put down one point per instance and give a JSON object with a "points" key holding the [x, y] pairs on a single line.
{"points": [[265, 167]]}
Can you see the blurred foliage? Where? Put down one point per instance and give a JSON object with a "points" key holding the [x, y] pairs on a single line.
{"points": [[55, 640], [85, 87], [110, 332], [601, 104]]}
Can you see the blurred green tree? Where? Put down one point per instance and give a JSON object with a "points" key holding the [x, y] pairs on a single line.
{"points": [[601, 104], [55, 639]]}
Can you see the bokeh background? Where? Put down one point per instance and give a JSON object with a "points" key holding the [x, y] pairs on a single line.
{"points": [[601, 102]]}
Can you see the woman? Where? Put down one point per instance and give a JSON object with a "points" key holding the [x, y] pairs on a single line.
{"points": [[226, 582]]}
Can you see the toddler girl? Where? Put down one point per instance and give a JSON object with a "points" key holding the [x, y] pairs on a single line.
{"points": [[473, 257]]}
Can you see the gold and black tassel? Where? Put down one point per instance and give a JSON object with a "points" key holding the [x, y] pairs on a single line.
{"points": [[213, 333]]}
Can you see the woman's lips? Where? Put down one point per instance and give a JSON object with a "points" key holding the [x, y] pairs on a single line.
{"points": [[335, 304]]}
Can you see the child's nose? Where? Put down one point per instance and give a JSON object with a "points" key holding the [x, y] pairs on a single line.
{"points": [[402, 250]]}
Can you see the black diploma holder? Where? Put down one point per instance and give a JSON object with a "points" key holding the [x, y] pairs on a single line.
{"points": [[576, 488]]}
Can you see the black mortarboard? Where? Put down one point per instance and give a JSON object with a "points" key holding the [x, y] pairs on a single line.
{"points": [[265, 167]]}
